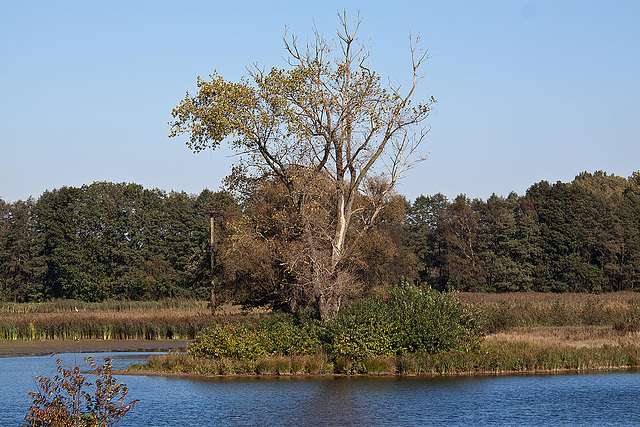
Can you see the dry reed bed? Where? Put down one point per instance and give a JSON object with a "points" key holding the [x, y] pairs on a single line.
{"points": [[498, 312], [137, 323], [569, 336], [546, 298], [71, 305], [183, 319]]}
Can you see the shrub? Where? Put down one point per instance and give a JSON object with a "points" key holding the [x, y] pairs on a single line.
{"points": [[288, 335], [64, 401], [407, 320], [237, 340], [268, 336]]}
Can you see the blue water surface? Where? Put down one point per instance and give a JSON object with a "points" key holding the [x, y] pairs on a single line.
{"points": [[584, 399]]}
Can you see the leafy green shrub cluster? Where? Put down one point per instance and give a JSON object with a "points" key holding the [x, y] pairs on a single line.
{"points": [[270, 335], [407, 320]]}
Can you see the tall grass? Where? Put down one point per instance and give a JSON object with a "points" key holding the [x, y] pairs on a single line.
{"points": [[134, 323], [150, 320], [499, 312], [184, 318], [130, 324], [70, 305]]}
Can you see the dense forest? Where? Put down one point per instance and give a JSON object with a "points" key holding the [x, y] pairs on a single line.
{"points": [[104, 241], [108, 240]]}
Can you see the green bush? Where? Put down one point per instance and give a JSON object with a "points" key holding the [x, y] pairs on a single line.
{"points": [[238, 340], [407, 320], [268, 336], [287, 335], [362, 330]]}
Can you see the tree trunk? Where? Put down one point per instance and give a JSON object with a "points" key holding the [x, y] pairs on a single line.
{"points": [[328, 304], [330, 288], [341, 231]]}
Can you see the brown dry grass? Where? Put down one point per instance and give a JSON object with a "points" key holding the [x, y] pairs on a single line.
{"points": [[500, 312], [569, 336], [573, 320], [132, 323], [545, 298]]}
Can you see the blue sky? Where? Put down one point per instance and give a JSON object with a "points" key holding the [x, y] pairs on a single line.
{"points": [[526, 90]]}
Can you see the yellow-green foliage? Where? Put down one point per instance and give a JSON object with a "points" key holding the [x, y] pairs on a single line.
{"points": [[226, 340], [268, 336]]}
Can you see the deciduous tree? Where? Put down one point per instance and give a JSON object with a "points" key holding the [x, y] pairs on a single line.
{"points": [[326, 117]]}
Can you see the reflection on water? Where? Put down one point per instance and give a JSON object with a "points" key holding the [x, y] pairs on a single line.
{"points": [[593, 399]]}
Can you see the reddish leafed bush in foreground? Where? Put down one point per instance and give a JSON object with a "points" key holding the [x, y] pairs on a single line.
{"points": [[69, 399]]}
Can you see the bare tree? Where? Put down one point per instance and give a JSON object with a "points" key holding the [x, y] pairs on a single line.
{"points": [[326, 119]]}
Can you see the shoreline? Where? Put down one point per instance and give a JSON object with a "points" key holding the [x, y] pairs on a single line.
{"points": [[565, 371], [46, 347]]}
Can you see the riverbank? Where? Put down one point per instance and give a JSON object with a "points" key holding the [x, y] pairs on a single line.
{"points": [[29, 348]]}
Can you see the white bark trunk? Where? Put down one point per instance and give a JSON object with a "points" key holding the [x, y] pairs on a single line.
{"points": [[341, 233]]}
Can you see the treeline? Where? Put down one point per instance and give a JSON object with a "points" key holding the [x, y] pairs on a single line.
{"points": [[582, 236], [106, 240]]}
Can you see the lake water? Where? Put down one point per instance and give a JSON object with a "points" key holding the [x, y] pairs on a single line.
{"points": [[586, 399]]}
